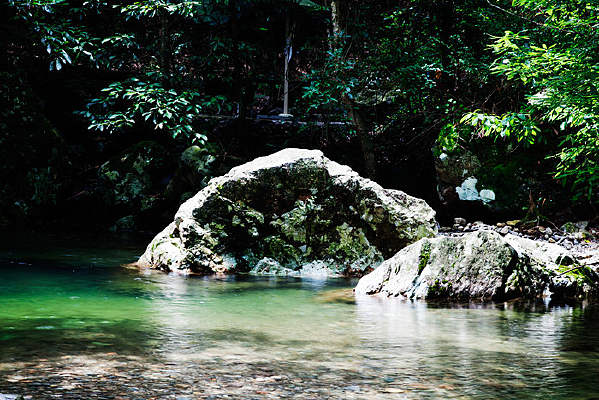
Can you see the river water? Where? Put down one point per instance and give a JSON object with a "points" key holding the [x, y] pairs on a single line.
{"points": [[76, 324]]}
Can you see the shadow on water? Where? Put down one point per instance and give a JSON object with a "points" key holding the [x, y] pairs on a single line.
{"points": [[54, 337], [68, 310]]}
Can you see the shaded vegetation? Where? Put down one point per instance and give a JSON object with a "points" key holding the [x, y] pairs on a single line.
{"points": [[375, 85]]}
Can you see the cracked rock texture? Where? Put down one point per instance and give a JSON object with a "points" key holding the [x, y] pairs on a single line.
{"points": [[293, 212], [480, 264]]}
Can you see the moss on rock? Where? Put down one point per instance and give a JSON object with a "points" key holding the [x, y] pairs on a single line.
{"points": [[292, 210], [481, 264]]}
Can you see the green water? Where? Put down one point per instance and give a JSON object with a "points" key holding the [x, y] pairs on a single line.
{"points": [[74, 323]]}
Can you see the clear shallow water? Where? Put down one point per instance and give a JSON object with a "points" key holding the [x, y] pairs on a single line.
{"points": [[74, 323]]}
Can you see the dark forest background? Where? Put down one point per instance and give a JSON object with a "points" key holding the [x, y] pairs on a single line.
{"points": [[113, 113]]}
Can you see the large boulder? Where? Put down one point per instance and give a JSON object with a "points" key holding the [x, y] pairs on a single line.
{"points": [[481, 264], [291, 212]]}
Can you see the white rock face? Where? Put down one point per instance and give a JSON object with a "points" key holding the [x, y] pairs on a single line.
{"points": [[487, 195], [545, 254], [467, 191], [292, 211], [481, 264]]}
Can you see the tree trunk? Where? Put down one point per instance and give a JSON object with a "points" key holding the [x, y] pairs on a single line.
{"points": [[362, 131], [363, 134], [336, 17], [445, 16], [165, 53], [237, 65]]}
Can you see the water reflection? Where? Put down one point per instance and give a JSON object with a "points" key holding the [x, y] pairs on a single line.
{"points": [[295, 337], [484, 349]]}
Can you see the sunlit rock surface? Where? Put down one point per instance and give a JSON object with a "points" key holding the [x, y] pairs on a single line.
{"points": [[481, 264], [293, 212]]}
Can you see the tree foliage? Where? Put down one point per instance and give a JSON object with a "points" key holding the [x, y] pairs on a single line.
{"points": [[178, 59], [407, 72], [556, 60]]}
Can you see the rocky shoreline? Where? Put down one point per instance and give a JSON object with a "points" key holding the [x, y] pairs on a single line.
{"points": [[295, 212], [577, 238]]}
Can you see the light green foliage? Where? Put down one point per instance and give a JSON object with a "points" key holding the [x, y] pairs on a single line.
{"points": [[556, 60], [51, 26], [335, 78], [155, 94], [155, 8], [511, 124], [166, 109]]}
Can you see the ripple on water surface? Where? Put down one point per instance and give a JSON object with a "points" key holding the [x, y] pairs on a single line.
{"points": [[72, 321]]}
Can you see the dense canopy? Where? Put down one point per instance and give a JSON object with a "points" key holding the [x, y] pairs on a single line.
{"points": [[387, 81]]}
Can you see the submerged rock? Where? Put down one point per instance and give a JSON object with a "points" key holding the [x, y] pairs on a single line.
{"points": [[291, 211], [481, 264]]}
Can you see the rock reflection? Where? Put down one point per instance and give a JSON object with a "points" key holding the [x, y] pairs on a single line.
{"points": [[127, 335], [482, 349]]}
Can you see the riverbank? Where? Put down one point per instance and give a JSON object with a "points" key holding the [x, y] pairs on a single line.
{"points": [[582, 241]]}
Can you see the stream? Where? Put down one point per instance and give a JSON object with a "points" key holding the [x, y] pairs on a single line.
{"points": [[76, 324]]}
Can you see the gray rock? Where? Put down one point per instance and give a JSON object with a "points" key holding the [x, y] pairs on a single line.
{"points": [[544, 254], [292, 211], [454, 167], [193, 172], [459, 221], [582, 225], [577, 230], [481, 264], [127, 222]]}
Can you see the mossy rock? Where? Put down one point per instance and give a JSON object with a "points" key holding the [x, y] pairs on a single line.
{"points": [[483, 265], [194, 171], [292, 211]]}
